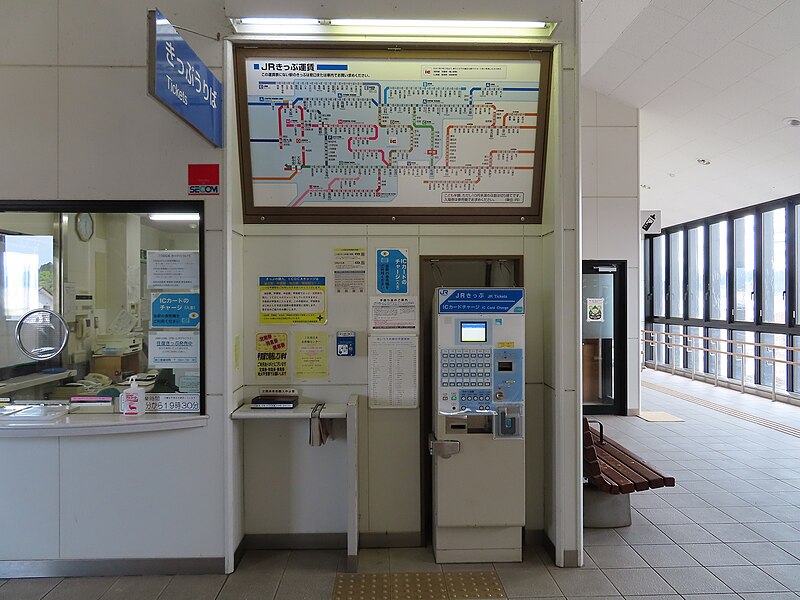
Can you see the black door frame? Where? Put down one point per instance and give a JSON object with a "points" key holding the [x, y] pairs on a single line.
{"points": [[619, 270]]}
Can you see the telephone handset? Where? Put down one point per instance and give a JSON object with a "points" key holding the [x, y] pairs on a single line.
{"points": [[95, 381]]}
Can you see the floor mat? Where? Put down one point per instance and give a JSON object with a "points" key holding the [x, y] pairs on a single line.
{"points": [[452, 585], [659, 416]]}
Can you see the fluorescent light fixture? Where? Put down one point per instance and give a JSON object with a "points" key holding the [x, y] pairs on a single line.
{"points": [[267, 21], [435, 24], [174, 217], [392, 28]]}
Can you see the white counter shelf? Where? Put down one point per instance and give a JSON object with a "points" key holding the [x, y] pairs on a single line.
{"points": [[74, 424], [301, 411]]}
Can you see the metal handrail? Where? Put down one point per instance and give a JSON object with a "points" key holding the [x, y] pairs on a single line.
{"points": [[716, 351]]}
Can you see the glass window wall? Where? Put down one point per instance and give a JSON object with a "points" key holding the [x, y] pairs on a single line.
{"points": [[659, 275], [696, 268], [744, 260], [718, 271], [773, 270], [676, 290]]}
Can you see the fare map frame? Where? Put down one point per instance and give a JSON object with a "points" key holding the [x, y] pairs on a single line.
{"points": [[262, 136]]}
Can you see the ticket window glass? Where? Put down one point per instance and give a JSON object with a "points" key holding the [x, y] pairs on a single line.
{"points": [[604, 340], [125, 279]]}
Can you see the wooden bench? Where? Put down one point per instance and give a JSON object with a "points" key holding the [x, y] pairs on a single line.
{"points": [[612, 469]]}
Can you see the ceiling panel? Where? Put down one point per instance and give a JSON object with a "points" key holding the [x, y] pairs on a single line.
{"points": [[688, 9], [652, 29], [715, 28], [731, 64], [777, 32], [681, 97]]}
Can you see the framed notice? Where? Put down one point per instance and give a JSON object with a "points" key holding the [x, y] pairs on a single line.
{"points": [[418, 136]]}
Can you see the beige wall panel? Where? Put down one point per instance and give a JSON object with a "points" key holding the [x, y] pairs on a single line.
{"points": [[617, 161], [394, 480], [534, 457], [534, 310], [304, 256], [29, 139], [618, 229], [152, 495], [29, 488], [471, 246], [17, 45], [237, 302], [304, 490], [214, 322], [119, 30], [122, 144], [471, 231]]}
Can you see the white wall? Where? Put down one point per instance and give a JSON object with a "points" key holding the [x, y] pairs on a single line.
{"points": [[610, 196], [78, 125]]}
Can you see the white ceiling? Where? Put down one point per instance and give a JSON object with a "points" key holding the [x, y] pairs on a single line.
{"points": [[714, 79]]}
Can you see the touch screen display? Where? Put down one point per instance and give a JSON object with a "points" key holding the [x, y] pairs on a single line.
{"points": [[473, 331]]}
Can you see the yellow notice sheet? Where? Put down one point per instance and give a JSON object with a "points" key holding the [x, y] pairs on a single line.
{"points": [[310, 354], [272, 351]]}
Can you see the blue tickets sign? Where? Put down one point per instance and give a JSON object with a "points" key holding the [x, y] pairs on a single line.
{"points": [[392, 271], [481, 300], [181, 81], [175, 310]]}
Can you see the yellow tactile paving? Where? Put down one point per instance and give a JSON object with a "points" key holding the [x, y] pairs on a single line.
{"points": [[453, 585]]}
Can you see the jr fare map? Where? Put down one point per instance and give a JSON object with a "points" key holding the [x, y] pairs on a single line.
{"points": [[405, 133]]}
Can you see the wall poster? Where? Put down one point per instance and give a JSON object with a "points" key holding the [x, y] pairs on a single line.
{"points": [[432, 136]]}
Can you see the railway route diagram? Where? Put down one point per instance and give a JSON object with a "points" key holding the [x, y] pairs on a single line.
{"points": [[405, 133]]}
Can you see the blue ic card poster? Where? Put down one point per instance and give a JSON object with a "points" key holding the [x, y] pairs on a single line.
{"points": [[392, 271], [175, 310]]}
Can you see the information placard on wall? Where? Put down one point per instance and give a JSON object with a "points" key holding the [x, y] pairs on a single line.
{"points": [[393, 371], [434, 135]]}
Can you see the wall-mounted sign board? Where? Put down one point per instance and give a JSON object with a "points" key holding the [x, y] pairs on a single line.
{"points": [[346, 135], [181, 81]]}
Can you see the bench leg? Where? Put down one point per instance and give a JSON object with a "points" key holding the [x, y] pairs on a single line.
{"points": [[605, 510]]}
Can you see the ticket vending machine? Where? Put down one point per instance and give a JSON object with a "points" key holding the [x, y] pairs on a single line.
{"points": [[477, 443]]}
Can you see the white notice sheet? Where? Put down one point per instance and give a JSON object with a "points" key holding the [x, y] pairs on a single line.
{"points": [[393, 366]]}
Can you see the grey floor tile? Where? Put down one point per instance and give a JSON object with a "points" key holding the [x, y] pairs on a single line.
{"points": [[582, 582], [602, 537], [764, 553], [412, 560], [686, 501], [27, 589], [250, 585], [748, 514], [648, 501], [81, 588], [317, 561], [306, 586], [747, 579], [142, 587], [768, 596], [638, 582], [717, 555], [656, 597], [688, 534], [615, 557], [788, 575], [786, 514], [664, 516], [460, 567], [712, 597], [263, 561], [732, 532], [665, 555], [692, 580], [776, 532], [643, 534], [721, 499], [707, 515], [373, 560], [792, 548], [530, 582], [193, 587], [762, 499]]}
